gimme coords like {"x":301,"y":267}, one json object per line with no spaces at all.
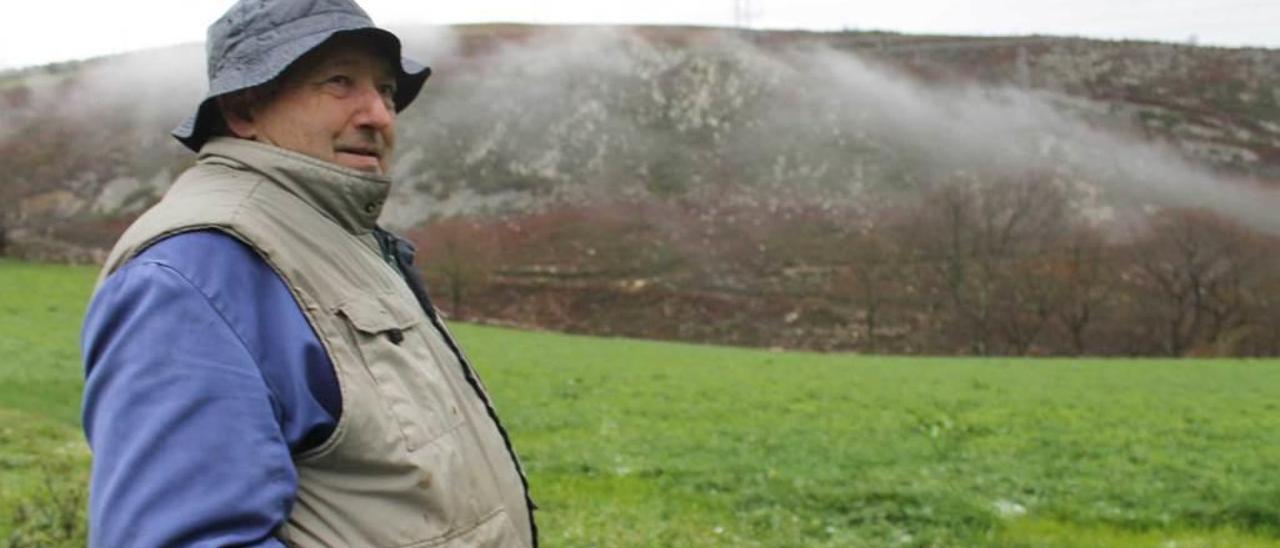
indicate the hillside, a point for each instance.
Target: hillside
{"x":760,"y":188}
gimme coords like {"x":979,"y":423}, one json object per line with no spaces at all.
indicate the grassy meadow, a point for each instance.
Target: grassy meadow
{"x":632,"y":443}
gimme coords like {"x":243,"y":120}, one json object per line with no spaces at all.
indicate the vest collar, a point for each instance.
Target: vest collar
{"x":349,"y":197}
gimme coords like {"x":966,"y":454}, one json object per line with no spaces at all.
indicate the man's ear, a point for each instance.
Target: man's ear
{"x":238,"y":115}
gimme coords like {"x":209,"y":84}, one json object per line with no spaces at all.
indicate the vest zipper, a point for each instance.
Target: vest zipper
{"x":401,"y":258}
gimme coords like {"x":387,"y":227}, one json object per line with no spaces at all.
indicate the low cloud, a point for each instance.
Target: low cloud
{"x":542,"y":110}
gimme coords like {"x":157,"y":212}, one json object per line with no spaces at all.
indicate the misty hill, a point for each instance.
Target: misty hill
{"x":713,"y":165}
{"x":517,"y":112}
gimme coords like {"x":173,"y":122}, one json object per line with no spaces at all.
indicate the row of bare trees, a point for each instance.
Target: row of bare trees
{"x":1010,"y":270}
{"x":983,"y":269}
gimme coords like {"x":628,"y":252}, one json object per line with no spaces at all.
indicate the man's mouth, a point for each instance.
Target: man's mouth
{"x":374,"y":153}
{"x":361,"y":158}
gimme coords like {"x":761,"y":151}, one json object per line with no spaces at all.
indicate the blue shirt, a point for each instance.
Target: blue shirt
{"x":203,"y":379}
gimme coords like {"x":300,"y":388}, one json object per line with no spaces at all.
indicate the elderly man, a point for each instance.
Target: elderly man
{"x":263,"y":364}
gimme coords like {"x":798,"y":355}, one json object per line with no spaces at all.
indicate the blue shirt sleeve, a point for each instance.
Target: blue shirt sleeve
{"x":203,"y":379}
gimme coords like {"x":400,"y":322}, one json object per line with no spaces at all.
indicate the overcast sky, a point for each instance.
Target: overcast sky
{"x":42,"y":31}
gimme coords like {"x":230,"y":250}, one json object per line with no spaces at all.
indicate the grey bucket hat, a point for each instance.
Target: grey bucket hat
{"x":256,"y":40}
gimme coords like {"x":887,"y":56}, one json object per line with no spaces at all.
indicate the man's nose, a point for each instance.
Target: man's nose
{"x":376,"y":111}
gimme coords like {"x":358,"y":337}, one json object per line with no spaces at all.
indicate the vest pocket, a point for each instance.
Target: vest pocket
{"x":390,"y":340}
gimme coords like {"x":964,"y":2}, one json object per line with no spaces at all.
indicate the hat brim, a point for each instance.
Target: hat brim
{"x":197,"y":128}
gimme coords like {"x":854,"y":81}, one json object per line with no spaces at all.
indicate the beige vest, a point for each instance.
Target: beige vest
{"x":417,"y":459}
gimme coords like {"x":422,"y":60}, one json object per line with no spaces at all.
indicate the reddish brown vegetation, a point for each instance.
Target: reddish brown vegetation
{"x":998,"y":269}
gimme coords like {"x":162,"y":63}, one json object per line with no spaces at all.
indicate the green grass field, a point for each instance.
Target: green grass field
{"x":632,"y":443}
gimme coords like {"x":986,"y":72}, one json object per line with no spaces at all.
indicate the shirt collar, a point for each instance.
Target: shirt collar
{"x":349,"y":197}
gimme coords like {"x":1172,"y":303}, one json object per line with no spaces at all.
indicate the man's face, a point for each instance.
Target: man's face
{"x":335,"y":104}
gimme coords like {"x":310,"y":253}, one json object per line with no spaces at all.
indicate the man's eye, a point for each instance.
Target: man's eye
{"x":339,"y":79}
{"x":387,"y":90}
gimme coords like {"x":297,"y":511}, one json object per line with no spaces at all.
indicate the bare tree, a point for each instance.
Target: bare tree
{"x":459,"y":255}
{"x":985,"y":246}
{"x":1082,"y":271}
{"x":1193,"y":266}
{"x":871,"y":281}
